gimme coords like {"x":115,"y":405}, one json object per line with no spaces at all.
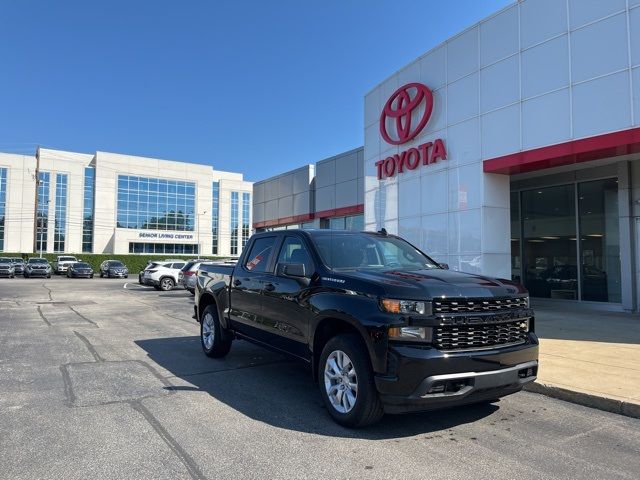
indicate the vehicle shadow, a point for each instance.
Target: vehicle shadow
{"x":270,"y":388}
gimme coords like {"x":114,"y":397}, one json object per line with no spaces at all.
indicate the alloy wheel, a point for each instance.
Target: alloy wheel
{"x":208,"y":331}
{"x":341,"y":381}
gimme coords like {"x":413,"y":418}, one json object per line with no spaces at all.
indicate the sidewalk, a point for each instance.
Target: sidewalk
{"x":589,"y":357}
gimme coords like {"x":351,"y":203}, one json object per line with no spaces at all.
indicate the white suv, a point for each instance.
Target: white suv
{"x":162,"y":275}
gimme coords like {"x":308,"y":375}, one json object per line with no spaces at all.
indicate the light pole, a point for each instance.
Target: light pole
{"x":198,"y":229}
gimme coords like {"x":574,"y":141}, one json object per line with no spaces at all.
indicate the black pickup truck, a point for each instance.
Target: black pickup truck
{"x":383,"y":326}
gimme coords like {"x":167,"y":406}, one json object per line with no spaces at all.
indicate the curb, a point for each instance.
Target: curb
{"x":586,"y":399}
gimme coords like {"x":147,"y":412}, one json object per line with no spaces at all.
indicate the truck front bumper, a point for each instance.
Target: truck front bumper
{"x":427,"y":379}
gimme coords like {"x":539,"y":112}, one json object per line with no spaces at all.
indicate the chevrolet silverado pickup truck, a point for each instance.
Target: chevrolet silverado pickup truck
{"x":384,"y":328}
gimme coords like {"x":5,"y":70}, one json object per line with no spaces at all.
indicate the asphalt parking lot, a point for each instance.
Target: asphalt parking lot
{"x":102,"y":381}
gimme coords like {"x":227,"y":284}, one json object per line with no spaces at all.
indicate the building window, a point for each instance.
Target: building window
{"x":155,"y":204}
{"x":246,"y":206}
{"x":352,"y":222}
{"x":3,"y":205}
{"x":60,"y":217}
{"x":234,"y":223}
{"x":164,"y":248}
{"x":87,"y":213}
{"x":42,"y":213}
{"x":215,"y":207}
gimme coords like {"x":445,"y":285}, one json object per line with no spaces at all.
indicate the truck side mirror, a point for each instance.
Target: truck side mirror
{"x":295,"y":270}
{"x":444,"y":266}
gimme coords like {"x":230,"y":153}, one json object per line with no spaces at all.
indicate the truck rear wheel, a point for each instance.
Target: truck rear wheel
{"x":214,"y":343}
{"x":346,"y":382}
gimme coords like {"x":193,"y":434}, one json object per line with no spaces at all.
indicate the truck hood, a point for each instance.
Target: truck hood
{"x":435,"y":283}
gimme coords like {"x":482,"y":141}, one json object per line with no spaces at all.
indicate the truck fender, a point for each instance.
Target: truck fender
{"x":374,"y":337}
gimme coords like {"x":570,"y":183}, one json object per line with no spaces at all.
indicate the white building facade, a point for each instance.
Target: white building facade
{"x":511,"y":150}
{"x":120,"y":204}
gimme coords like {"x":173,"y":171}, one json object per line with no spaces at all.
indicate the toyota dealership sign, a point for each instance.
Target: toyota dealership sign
{"x":403,"y":117}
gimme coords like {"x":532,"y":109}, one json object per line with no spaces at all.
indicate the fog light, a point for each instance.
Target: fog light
{"x":437,"y":388}
{"x":527,"y":372}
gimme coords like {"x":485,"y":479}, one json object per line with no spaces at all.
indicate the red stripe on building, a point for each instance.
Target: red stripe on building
{"x":284,"y":220}
{"x":336,"y":212}
{"x":576,"y":151}
{"x":340,"y":212}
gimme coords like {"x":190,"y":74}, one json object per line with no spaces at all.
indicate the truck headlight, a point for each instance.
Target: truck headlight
{"x":415,"y":334}
{"x":405,"y":306}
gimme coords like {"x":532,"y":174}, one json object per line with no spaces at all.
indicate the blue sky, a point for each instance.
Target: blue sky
{"x":259,"y":87}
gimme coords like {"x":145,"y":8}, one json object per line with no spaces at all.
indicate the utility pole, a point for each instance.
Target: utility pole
{"x":35,"y":207}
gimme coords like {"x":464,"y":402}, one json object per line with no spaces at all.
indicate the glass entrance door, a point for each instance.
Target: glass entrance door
{"x":569,"y":241}
{"x":549,"y":242}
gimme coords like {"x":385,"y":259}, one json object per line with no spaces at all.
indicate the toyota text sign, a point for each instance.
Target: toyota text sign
{"x":404,"y":115}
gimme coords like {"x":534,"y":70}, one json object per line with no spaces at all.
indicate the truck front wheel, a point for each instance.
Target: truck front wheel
{"x":346,"y":382}
{"x":214,"y":343}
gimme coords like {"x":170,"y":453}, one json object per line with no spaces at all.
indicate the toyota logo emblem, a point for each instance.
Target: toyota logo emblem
{"x":399,"y":112}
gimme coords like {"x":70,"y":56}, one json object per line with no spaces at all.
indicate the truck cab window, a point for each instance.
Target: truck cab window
{"x":258,"y":257}
{"x":294,"y":251}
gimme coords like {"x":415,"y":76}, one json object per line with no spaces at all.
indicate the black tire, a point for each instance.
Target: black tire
{"x":166,"y":284}
{"x":367,"y":408}
{"x":25,"y":275}
{"x":91,"y":276}
{"x":49,"y":276}
{"x":157,"y":287}
{"x":220,"y":341}
{"x":126,"y":276}
{"x":101,"y":275}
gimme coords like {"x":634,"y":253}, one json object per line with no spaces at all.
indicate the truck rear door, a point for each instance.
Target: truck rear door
{"x":246,"y":286}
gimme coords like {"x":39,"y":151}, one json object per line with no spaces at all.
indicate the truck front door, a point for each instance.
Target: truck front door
{"x":284,"y":308}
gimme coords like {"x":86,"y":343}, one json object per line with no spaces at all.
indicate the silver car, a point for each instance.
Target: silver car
{"x":6,"y":268}
{"x":189,"y":273}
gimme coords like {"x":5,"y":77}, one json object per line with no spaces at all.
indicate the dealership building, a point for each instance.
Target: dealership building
{"x":512,"y":150}
{"x":58,"y":201}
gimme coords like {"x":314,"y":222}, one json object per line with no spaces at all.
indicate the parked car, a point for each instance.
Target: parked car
{"x":6,"y":268}
{"x":113,"y":268}
{"x":163,"y":275}
{"x":385,"y":328}
{"x":141,"y":273}
{"x":188,"y":274}
{"x":79,"y":270}
{"x":18,"y":265}
{"x":37,"y":267}
{"x":63,"y":262}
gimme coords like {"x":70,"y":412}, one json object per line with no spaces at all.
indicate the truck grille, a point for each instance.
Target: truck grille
{"x":464,"y":305}
{"x":473,"y":337}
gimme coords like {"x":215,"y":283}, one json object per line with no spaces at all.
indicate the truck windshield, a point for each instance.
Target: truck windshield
{"x":343,"y":251}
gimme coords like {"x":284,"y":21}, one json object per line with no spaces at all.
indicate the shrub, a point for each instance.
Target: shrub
{"x":134,"y":263}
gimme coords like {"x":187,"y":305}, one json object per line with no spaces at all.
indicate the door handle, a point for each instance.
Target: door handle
{"x":237,"y":283}
{"x":269,"y":287}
